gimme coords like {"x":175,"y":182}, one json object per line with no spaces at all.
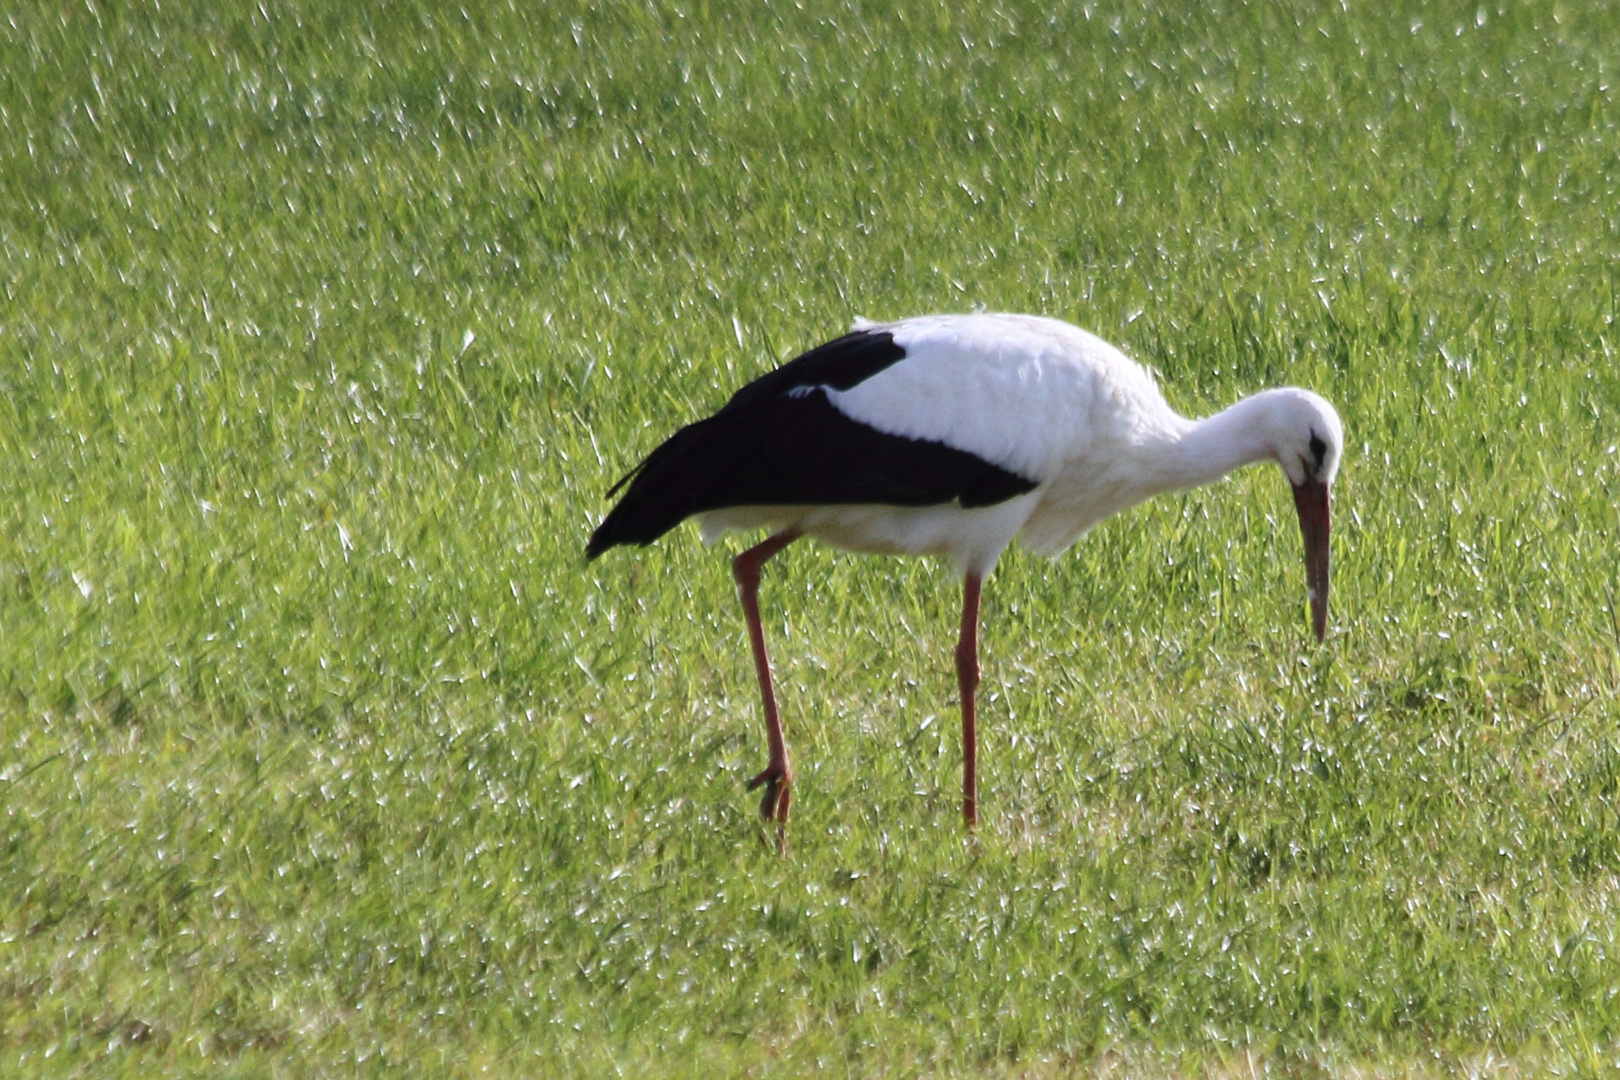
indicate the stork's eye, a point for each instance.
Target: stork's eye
{"x":1318,"y":448}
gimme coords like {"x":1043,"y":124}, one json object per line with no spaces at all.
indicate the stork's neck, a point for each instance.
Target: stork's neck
{"x":1210,"y":448}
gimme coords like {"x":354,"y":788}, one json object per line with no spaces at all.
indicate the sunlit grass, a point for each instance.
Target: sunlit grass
{"x":323,"y":751}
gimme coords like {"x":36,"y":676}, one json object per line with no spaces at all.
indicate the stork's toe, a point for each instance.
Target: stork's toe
{"x":778,"y":783}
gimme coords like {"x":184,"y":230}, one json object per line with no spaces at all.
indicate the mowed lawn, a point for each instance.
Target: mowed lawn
{"x":325,"y":327}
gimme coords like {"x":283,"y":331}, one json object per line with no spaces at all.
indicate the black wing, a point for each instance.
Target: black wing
{"x":779,"y":441}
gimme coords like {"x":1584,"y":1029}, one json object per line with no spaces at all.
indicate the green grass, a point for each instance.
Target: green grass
{"x":322,"y":752}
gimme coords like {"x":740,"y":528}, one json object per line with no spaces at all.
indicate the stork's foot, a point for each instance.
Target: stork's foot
{"x":778,"y":782}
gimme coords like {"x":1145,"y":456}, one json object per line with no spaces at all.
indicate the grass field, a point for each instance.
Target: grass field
{"x":325,"y":327}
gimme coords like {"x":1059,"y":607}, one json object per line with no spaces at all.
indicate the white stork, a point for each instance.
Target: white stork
{"x":949,"y":435}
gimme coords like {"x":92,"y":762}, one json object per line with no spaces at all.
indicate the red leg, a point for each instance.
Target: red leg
{"x":778,"y":780}
{"x":967,"y":681}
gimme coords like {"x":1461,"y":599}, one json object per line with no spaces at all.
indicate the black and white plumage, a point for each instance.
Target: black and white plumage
{"x":950,"y":435}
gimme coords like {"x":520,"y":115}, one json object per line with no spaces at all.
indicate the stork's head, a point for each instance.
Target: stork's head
{"x":1306,"y":437}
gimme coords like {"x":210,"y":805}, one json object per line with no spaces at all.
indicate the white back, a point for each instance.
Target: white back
{"x":1024,"y":392}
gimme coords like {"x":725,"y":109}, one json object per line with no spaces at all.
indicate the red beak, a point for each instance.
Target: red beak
{"x":1311,"y":500}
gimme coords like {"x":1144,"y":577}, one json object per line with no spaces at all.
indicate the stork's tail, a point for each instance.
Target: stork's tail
{"x":660,"y":493}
